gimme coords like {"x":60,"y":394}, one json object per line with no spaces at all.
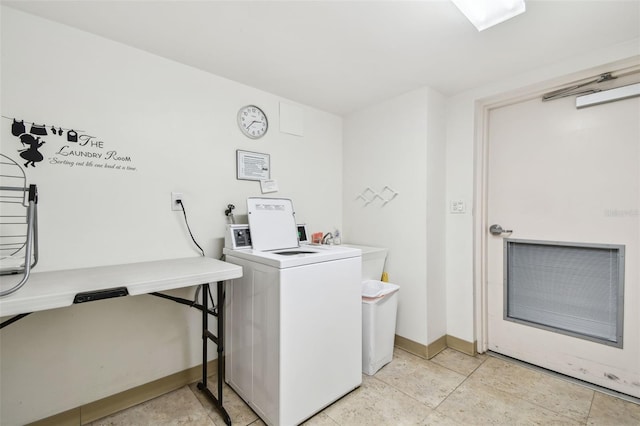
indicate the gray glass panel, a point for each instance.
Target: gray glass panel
{"x":575,"y":289}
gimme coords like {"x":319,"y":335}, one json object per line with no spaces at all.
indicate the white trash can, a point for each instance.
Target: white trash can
{"x":379,"y":308}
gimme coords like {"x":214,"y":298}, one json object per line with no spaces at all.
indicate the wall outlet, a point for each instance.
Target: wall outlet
{"x":175,"y":197}
{"x":457,"y":206}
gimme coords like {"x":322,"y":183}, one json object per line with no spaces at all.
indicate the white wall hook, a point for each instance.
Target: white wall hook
{"x":367,"y":189}
{"x":362,"y":197}
{"x":388,"y":188}
{"x":368,"y":195}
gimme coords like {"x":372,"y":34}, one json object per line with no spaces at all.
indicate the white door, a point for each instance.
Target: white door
{"x":559,"y":174}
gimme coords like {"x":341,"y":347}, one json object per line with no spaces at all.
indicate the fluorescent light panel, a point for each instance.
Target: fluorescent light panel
{"x":611,"y":95}
{"x":487,"y":13}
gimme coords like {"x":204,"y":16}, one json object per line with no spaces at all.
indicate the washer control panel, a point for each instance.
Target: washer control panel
{"x":237,"y":237}
{"x":302,"y":234}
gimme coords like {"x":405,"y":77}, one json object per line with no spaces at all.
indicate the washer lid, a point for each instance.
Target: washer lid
{"x":273,"y":223}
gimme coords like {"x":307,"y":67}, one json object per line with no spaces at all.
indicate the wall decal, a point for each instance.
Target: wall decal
{"x":38,"y":129}
{"x":72,"y":136}
{"x":17,"y":128}
{"x":31,"y":154}
{"x":78,"y":149}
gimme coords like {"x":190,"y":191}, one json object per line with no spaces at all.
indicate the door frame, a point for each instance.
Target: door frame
{"x":482,"y":109}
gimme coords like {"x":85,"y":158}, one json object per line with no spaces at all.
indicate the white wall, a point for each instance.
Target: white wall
{"x":460,"y":151}
{"x":178,"y":126}
{"x":400,"y":143}
{"x":436,"y":218}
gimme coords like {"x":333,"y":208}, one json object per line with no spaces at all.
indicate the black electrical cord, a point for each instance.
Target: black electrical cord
{"x":188,"y":228}
{"x":195,"y":299}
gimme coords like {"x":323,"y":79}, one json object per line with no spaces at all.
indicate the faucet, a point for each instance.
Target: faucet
{"x":229,"y":213}
{"x":328,"y":238}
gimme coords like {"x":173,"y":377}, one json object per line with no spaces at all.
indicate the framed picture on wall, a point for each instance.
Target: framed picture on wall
{"x":253,"y":165}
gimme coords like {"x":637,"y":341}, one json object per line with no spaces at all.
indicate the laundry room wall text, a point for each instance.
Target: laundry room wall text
{"x":41,"y":144}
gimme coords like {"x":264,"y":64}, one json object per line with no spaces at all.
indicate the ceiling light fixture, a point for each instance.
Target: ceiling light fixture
{"x":487,"y":13}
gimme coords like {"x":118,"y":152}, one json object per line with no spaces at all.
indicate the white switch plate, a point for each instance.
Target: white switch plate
{"x":175,"y":196}
{"x":457,"y":206}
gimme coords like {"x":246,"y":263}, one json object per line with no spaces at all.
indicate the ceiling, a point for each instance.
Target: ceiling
{"x":340,"y":56}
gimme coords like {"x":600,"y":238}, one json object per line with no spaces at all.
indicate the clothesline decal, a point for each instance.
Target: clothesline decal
{"x":58,"y":128}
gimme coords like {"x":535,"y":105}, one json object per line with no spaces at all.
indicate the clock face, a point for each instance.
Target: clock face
{"x":252,"y":121}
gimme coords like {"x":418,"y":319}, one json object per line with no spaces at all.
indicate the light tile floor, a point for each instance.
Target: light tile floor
{"x":450,"y":389}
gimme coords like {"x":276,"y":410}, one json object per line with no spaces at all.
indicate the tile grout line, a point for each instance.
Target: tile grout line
{"x":506,"y":393}
{"x":324,"y":410}
{"x":201,"y":404}
{"x":405,"y":394}
{"x":460,"y":384}
{"x":400,"y":390}
{"x":546,"y":373}
{"x":593,"y":397}
{"x":433,"y":409}
{"x":521,"y":399}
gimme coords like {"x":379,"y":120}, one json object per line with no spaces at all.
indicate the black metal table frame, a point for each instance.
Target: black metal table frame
{"x":218,"y":312}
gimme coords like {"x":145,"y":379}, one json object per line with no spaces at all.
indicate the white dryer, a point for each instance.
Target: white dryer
{"x":293,"y":336}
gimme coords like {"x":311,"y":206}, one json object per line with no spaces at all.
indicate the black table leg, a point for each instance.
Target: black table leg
{"x":219,"y":340}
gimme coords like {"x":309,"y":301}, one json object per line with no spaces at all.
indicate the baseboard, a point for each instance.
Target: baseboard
{"x":437,"y":346}
{"x":434,"y":348}
{"x":112,"y":404}
{"x":423,"y":351}
{"x":410,"y":346}
{"x":463,"y":346}
{"x":67,"y":418}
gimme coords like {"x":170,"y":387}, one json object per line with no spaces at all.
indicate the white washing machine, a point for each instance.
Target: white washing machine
{"x":293,"y":321}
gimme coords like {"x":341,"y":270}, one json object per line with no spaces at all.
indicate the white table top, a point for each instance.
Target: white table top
{"x":57,"y":289}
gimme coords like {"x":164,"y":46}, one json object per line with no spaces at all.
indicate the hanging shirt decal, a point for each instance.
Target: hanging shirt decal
{"x":17,"y":128}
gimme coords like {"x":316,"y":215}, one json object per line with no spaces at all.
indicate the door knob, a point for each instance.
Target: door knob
{"x":497,"y":230}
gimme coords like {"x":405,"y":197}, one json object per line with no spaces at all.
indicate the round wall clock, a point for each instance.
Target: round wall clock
{"x":252,"y":121}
